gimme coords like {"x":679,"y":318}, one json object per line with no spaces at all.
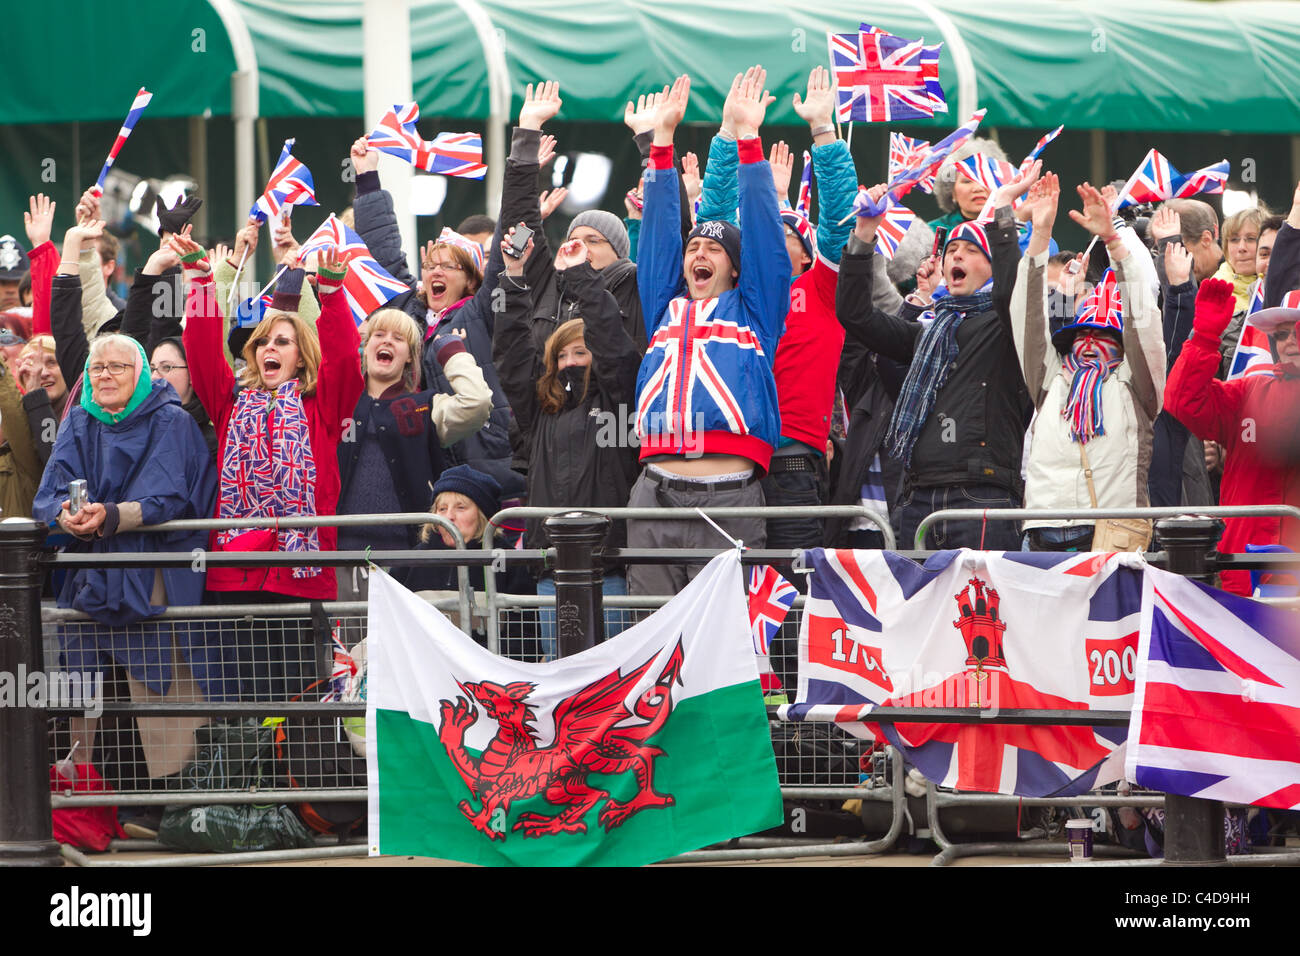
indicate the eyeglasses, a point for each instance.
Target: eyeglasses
{"x":1282,"y":333}
{"x":281,"y":342}
{"x":444,"y":266}
{"x":113,"y":368}
{"x":165,"y":368}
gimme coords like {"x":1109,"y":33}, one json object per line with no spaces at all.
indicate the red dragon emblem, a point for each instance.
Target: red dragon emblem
{"x":591,"y":736}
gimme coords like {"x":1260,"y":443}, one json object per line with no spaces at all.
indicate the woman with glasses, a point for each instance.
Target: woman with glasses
{"x":278,"y":441}
{"x":168,"y":365}
{"x":143,"y":462}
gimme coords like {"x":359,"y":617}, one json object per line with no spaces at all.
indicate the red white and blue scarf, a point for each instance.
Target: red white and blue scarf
{"x":269,"y":470}
{"x":1083,"y":405}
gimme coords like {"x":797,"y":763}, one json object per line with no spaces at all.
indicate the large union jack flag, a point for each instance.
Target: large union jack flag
{"x":686,"y":377}
{"x":368,"y":285}
{"x":448,"y":154}
{"x":880,"y":77}
{"x":929,"y":67}
{"x":1156,"y":180}
{"x":880,"y":630}
{"x":290,"y":185}
{"x":1211,"y":179}
{"x":1216,"y":709}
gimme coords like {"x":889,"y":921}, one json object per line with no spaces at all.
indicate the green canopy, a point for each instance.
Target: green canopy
{"x":1158,"y":65}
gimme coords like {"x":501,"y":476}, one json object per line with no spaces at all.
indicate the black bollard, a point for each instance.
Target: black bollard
{"x":26,"y":834}
{"x":1193,"y":827}
{"x":579,"y":539}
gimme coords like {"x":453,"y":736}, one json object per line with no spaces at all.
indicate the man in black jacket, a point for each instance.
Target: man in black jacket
{"x":958,"y":425}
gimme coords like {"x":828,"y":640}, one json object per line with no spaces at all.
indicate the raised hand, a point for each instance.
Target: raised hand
{"x":364,"y":158}
{"x":87,"y":207}
{"x":639,"y":117}
{"x":691,"y":178}
{"x":570,"y":254}
{"x":1041,"y":203}
{"x":246,"y":239}
{"x":752,"y":101}
{"x":550,"y":200}
{"x":866,"y":225}
{"x":782,"y":162}
{"x":1178,"y":263}
{"x":192,"y":256}
{"x":515,"y":266}
{"x":671,"y":110}
{"x":540,"y":104}
{"x":40,"y":220}
{"x":1165,"y":223}
{"x":330,"y":266}
{"x":1095,"y":216}
{"x":1017,"y":186}
{"x":632,"y":201}
{"x":928,"y":276}
{"x":818,"y":108}
{"x":545,"y":150}
{"x":284,"y":247}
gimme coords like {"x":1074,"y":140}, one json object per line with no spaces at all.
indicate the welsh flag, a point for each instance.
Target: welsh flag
{"x":649,"y":745}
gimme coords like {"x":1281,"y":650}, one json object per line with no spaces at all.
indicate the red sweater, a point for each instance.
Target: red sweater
{"x":328,"y":409}
{"x":808,"y":357}
{"x":1220,"y":411}
{"x":45,"y":263}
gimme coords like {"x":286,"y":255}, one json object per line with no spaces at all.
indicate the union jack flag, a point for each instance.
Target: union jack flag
{"x":898,"y":219}
{"x":368,"y":286}
{"x":686,"y":376}
{"x":290,"y":185}
{"x":133,"y":115}
{"x":770,"y":599}
{"x":1216,"y":708}
{"x":904,"y":152}
{"x":805,"y":186}
{"x":929,"y":68}
{"x":449,"y":154}
{"x":879,"y":77}
{"x":986,"y":170}
{"x":1211,"y":179}
{"x":1253,"y":356}
{"x":1103,"y":308}
{"x":930,"y":162}
{"x":878,"y":630}
{"x":1039,"y":147}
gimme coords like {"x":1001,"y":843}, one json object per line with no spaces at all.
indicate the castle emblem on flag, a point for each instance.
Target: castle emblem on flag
{"x":981,"y":626}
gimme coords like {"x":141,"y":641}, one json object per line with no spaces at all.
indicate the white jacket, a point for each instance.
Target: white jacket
{"x":1130,"y":399}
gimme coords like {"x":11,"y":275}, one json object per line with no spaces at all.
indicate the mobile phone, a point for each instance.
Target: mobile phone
{"x":519,"y":241}
{"x":940,"y":234}
{"x":76,"y":495}
{"x":635,"y":200}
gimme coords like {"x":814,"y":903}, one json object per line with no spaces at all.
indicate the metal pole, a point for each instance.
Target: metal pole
{"x":579,"y":539}
{"x":26,"y":828}
{"x":1193,"y":827}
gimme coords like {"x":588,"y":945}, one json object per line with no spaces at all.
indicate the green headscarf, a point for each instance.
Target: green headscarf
{"x":143,"y":386}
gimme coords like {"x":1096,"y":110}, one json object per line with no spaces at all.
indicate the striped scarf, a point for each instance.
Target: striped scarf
{"x":936,"y":350}
{"x":1083,"y":406}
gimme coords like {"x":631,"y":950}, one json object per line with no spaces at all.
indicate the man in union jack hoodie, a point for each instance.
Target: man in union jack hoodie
{"x":707,"y":416}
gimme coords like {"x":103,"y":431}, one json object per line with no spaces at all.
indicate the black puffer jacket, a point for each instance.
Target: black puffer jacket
{"x":984,"y":396}
{"x":579,"y":456}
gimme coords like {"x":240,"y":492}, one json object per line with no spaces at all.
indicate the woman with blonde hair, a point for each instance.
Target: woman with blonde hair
{"x":277,"y":452}
{"x":573,"y":401}
{"x":33,"y":395}
{"x":395,"y":453}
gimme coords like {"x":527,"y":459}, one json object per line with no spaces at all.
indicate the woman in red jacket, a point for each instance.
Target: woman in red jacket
{"x":1237,"y":414}
{"x":278,"y":452}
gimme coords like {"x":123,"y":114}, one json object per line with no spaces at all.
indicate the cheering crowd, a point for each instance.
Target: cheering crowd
{"x":765,"y":360}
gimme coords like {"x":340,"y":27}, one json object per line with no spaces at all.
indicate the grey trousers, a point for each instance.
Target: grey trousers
{"x":696,"y":533}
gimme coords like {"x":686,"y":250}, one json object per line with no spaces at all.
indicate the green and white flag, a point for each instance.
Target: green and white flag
{"x":649,"y":745}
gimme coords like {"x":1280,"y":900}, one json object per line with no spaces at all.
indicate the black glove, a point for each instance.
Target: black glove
{"x":174,"y":219}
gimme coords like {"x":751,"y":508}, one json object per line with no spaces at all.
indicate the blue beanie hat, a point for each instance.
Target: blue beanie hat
{"x":483,"y":490}
{"x":725,"y":234}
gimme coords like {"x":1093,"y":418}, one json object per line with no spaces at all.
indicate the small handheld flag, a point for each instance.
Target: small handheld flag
{"x":367,"y":285}
{"x":448,"y":154}
{"x":805,"y":186}
{"x":879,"y":77}
{"x":889,"y":234}
{"x":290,"y":185}
{"x":132,"y":117}
{"x":1039,"y":147}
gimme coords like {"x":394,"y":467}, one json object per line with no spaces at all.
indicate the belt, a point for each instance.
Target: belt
{"x":792,"y":463}
{"x":681,"y":484}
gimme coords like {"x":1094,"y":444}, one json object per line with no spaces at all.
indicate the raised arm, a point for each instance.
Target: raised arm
{"x":212,"y":378}
{"x":1029,"y":327}
{"x":615,"y":357}
{"x":659,"y":255}
{"x":879,"y":331}
{"x":44,"y":259}
{"x":339,"y":383}
{"x":513,"y":351}
{"x":1211,"y":409}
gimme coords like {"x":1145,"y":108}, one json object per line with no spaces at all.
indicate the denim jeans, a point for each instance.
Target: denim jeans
{"x":617,"y":620}
{"x":978,"y":534}
{"x":1075,"y":538}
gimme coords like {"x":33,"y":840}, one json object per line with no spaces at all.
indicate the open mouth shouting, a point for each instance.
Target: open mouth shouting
{"x":701,"y":275}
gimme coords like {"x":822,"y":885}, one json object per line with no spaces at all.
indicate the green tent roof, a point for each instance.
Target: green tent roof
{"x":1160,"y":65}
